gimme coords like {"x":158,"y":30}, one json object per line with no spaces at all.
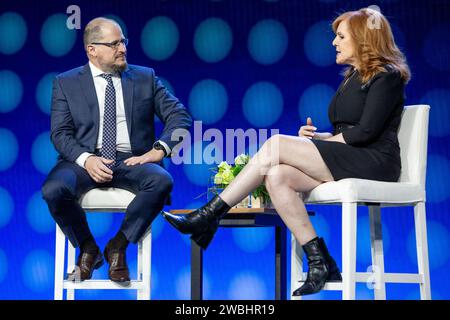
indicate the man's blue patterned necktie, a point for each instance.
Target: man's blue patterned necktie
{"x":108,"y":150}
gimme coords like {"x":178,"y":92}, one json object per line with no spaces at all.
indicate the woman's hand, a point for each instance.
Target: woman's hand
{"x":308,"y":131}
{"x":151,"y":156}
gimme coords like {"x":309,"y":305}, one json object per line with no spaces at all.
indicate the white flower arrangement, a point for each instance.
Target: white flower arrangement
{"x":225,"y":173}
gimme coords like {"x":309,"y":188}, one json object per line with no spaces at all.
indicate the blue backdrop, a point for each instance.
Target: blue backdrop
{"x":234,"y":64}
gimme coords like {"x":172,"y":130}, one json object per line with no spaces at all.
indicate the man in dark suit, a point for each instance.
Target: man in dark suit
{"x":102,"y":127}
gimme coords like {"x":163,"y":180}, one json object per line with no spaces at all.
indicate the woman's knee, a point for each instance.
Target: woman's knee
{"x":273,"y":141}
{"x":276,"y":177}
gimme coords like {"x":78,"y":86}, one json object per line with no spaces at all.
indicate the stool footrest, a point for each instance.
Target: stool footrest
{"x":102,"y":284}
{"x":362,"y":277}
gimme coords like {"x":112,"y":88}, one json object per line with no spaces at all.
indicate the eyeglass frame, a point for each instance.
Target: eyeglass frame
{"x":113,"y":45}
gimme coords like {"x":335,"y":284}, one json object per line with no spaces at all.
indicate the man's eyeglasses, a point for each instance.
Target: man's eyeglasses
{"x":114,"y":44}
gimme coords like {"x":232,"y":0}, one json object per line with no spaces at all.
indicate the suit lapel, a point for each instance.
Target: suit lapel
{"x":127,"y":89}
{"x":88,"y":89}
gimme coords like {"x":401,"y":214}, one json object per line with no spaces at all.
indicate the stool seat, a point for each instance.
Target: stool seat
{"x":106,"y":199}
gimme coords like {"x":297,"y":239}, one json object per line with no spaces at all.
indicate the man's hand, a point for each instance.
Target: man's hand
{"x":307,"y":131}
{"x":97,"y":169}
{"x":151,"y":156}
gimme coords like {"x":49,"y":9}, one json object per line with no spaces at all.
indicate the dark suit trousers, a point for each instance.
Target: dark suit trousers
{"x":67,"y":182}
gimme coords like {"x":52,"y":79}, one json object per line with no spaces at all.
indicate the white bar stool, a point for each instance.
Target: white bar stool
{"x":349,"y":193}
{"x":102,"y":200}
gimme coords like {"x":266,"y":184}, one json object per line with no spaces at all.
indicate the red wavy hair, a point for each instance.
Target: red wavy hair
{"x":374,"y":43}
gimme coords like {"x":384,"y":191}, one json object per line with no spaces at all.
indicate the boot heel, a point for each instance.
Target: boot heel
{"x":203,"y":239}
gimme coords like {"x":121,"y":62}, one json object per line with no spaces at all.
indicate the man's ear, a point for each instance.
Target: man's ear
{"x":91,"y":51}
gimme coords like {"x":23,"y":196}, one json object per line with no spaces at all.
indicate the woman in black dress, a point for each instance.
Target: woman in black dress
{"x":365,"y":113}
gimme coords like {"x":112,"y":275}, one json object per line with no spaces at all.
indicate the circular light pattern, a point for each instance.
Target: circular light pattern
{"x":167,"y":84}
{"x":10,"y":148}
{"x":154,"y":279}
{"x":436,"y":48}
{"x":364,"y":293}
{"x":183,"y":284}
{"x":119,"y":22}
{"x":159,"y":38}
{"x":13,"y":32}
{"x":157,"y":226}
{"x":208,"y":101}
{"x":6,"y":207}
{"x":44,"y":92}
{"x":38,"y":215}
{"x":314,"y":103}
{"x":57,"y":40}
{"x":11,"y":90}
{"x":437,"y":179}
{"x":438,"y":244}
{"x":318,"y":44}
{"x":43,"y":154}
{"x":213,"y":40}
{"x":38,"y":271}
{"x":99,"y":223}
{"x":199,"y":170}
{"x":3,"y":265}
{"x":247,"y":285}
{"x":321,"y":226}
{"x":262,"y":104}
{"x":363,"y":251}
{"x":267,"y":41}
{"x":440,"y":112}
{"x":252,"y":239}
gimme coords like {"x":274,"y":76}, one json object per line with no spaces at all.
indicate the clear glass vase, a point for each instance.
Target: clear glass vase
{"x":248,"y":202}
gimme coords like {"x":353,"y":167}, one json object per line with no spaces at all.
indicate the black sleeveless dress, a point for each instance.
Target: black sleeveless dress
{"x":368,"y":115}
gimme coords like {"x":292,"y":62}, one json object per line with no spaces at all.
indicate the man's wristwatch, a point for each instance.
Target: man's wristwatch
{"x":159,"y":146}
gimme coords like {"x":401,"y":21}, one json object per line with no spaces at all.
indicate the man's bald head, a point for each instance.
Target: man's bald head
{"x":105,"y":45}
{"x":95,"y":30}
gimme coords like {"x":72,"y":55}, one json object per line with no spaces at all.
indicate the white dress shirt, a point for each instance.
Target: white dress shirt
{"x":123,"y":139}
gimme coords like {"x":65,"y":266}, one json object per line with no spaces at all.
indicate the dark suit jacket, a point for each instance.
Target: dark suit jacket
{"x":75,"y":111}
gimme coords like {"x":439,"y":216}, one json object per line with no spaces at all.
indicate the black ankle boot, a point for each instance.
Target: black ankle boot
{"x":334,"y":274}
{"x":318,"y":269}
{"x":201,"y":223}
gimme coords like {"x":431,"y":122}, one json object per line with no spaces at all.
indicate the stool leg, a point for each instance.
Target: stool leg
{"x":71,"y":262}
{"x":139,"y":260}
{"x":376,"y":242}
{"x":349,"y":215}
{"x":139,"y":268}
{"x":296,"y":266}
{"x":60,"y":245}
{"x":144,"y":262}
{"x":422,"y":249}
